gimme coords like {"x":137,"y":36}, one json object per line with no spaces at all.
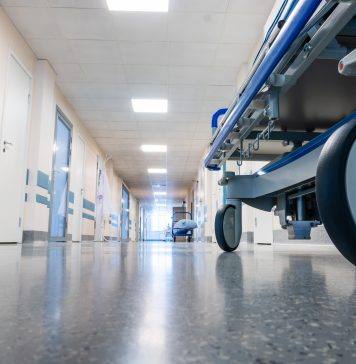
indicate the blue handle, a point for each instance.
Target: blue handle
{"x":290,"y":31}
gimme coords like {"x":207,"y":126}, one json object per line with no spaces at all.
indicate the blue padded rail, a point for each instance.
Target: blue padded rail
{"x":288,"y":34}
{"x":300,"y":152}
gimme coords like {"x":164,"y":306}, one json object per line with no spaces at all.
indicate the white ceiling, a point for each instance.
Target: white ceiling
{"x":190,"y":55}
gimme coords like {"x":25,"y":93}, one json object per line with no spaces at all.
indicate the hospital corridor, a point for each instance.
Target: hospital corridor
{"x":177,"y":181}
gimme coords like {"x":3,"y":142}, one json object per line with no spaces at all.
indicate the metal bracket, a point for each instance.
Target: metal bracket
{"x":301,"y":229}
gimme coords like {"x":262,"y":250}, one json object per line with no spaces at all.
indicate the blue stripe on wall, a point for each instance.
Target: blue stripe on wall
{"x":71,"y":197}
{"x":88,"y":217}
{"x":114,"y":218}
{"x":88,"y":205}
{"x":70,"y":211}
{"x":42,"y":180}
{"x":27,"y":176}
{"x":42,"y":200}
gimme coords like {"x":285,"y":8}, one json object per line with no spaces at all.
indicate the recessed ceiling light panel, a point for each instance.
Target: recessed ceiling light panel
{"x":160,"y":193}
{"x":154,"y":148}
{"x":150,"y":105}
{"x":160,"y":6}
{"x":157,"y":170}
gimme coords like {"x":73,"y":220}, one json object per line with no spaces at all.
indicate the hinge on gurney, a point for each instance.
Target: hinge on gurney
{"x":254,"y":146}
{"x":272,"y":112}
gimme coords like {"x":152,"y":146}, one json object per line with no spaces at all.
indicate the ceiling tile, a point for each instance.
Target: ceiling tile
{"x":95,"y":90}
{"x":84,"y":4}
{"x":137,"y":26}
{"x":69,"y":72}
{"x":186,"y":92}
{"x":95,"y":51}
{"x":85,"y":23}
{"x":202,"y":75}
{"x":250,"y":6}
{"x":146,"y":74}
{"x":27,"y":3}
{"x":232,"y":54}
{"x":195,"y":27}
{"x":192,"y":54}
{"x":144,"y":53}
{"x":148,"y":91}
{"x":35,"y":22}
{"x":198,"y":5}
{"x":55,"y":50}
{"x":235,"y":26}
{"x":215,"y":93}
{"x":113,"y":73}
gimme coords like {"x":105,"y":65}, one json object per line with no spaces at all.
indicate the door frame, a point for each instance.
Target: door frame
{"x":79,"y":136}
{"x":12,"y":54}
{"x":98,"y":231}
{"x":122,"y":213}
{"x":66,"y":121}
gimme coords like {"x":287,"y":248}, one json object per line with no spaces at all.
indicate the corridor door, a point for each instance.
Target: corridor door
{"x":79,"y":190}
{"x":13,"y":146}
{"x":125,"y":214}
{"x":60,"y":180}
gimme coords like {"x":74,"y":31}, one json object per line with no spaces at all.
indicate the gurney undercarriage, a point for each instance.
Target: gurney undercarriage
{"x":301,"y":91}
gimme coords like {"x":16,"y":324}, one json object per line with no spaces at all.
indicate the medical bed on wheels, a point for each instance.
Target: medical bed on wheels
{"x":300,"y":90}
{"x":183,"y":226}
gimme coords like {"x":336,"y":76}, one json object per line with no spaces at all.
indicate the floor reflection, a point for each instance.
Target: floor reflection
{"x":175,"y":303}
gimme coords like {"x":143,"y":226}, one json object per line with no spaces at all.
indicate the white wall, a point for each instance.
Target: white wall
{"x":46,"y":98}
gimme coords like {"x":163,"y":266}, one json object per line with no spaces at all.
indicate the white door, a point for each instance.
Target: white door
{"x":13,"y":145}
{"x":263,"y":227}
{"x":98,"y":234}
{"x":79,"y":190}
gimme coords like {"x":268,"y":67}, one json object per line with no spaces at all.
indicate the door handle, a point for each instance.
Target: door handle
{"x":6,"y":144}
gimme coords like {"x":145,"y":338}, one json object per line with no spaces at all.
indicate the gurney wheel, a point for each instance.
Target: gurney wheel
{"x":336,"y":189}
{"x":225,"y":228}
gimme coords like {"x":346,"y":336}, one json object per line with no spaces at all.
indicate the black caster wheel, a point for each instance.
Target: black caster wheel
{"x":225,"y":228}
{"x":174,"y":239}
{"x":336,"y":189}
{"x":189,"y":239}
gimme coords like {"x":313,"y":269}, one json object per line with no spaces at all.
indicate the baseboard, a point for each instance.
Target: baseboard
{"x":87,"y":237}
{"x":247,"y":237}
{"x":30,"y":236}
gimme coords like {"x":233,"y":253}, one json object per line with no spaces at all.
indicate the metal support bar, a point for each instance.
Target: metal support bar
{"x":291,"y":136}
{"x":301,"y":193}
{"x":290,"y":31}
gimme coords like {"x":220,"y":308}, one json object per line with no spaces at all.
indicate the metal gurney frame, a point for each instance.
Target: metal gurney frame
{"x":309,"y":32}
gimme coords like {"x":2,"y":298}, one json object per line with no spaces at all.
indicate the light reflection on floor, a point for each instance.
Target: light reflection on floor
{"x":176,"y":303}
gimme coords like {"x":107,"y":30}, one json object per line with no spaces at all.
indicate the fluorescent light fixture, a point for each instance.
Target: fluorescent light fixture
{"x":160,"y":201}
{"x":160,"y":205}
{"x":157,"y":170}
{"x":160,"y":193}
{"x":138,"y":5}
{"x":154,"y":148}
{"x":150,"y":105}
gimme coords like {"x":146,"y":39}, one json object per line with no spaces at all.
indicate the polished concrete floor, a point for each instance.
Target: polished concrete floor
{"x":175,"y":303}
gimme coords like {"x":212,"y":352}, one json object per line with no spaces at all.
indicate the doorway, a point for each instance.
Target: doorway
{"x":125,"y":214}
{"x":60,"y":179}
{"x":79,"y":190}
{"x":13,"y":146}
